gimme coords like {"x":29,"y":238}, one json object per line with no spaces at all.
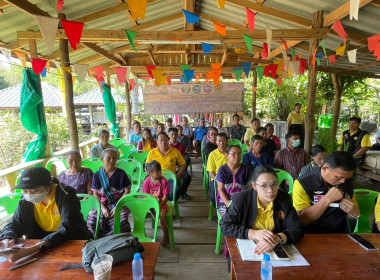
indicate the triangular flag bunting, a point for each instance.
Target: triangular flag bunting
{"x":251,"y":19}
{"x":319,"y":55}
{"x":352,"y":55}
{"x":292,"y":51}
{"x":221,"y":29}
{"x":73,"y":31}
{"x":246,"y":67}
{"x":248,"y":41}
{"x":121,"y":74}
{"x":260,"y":72}
{"x":157,"y":74}
{"x":339,"y":29}
{"x":239,"y":51}
{"x":354,"y":9}
{"x":322,"y":43}
{"x":190,"y":17}
{"x":280,"y":63}
{"x":81,"y":70}
{"x":38,"y":65}
{"x":175,"y":39}
{"x":7,"y":53}
{"x":149,"y":68}
{"x":373,"y":41}
{"x":131,"y":84}
{"x":220,"y":3}
{"x":99,"y":71}
{"x":131,"y":38}
{"x":183,"y":68}
{"x":332,"y":58}
{"x":340,"y":50}
{"x":48,"y":27}
{"x":44,"y":72}
{"x":60,"y":4}
{"x":237,"y":72}
{"x":169,"y":80}
{"x":264,"y":53}
{"x":285,"y":44}
{"x":189,"y":75}
{"x":302,"y":66}
{"x":269,"y":39}
{"x":207,"y":48}
{"x":137,"y":8}
{"x":279,"y":82}
{"x":22,"y":57}
{"x":216,"y":66}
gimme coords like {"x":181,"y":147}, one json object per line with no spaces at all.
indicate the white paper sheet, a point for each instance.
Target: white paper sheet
{"x":296,"y":259}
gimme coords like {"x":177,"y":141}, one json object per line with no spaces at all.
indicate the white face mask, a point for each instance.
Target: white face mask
{"x":296,"y":143}
{"x":35,"y":197}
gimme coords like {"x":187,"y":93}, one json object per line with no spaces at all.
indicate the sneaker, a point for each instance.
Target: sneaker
{"x":186,"y":196}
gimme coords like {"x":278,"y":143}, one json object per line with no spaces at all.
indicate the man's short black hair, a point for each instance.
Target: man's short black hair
{"x":103,"y":131}
{"x":297,"y":104}
{"x":269,"y":124}
{"x":261,"y":128}
{"x":357,"y":119}
{"x":236,"y":115}
{"x":222,"y":134}
{"x":256,"y":137}
{"x":341,"y":159}
{"x":174,"y":129}
{"x":255,"y":120}
{"x":290,"y":134}
{"x":210,"y":128}
{"x":315,"y":150}
{"x":162,"y":133}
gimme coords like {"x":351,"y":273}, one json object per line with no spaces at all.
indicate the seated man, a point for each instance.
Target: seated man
{"x":153,"y":129}
{"x":104,"y":137}
{"x":270,"y":135}
{"x":160,"y":128}
{"x":135,"y":136}
{"x":216,"y":159}
{"x":318,"y":155}
{"x":174,"y":143}
{"x":256,"y":156}
{"x":291,"y":159}
{"x":211,"y":144}
{"x":237,"y":130}
{"x":255,"y":124}
{"x":220,"y":127}
{"x":169,"y":125}
{"x":269,"y":146}
{"x":325,"y":197}
{"x":47,"y":211}
{"x":170,"y":159}
{"x":355,"y":139}
{"x":199,"y":132}
{"x":184,"y":140}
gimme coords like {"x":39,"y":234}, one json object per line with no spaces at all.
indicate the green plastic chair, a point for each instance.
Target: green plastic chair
{"x":139,"y":156}
{"x":139,"y":204}
{"x":59,"y":164}
{"x":134,"y":170}
{"x":168,"y":175}
{"x":87,"y":205}
{"x":234,"y":142}
{"x":93,"y":163}
{"x":191,"y":165}
{"x":205,"y":174}
{"x":244,"y":148}
{"x":366,"y":202}
{"x":124,"y":150}
{"x":117,"y":141}
{"x":283,"y":175}
{"x":9,"y":203}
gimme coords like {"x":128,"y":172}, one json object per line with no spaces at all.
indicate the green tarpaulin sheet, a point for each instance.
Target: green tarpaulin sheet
{"x":110,"y":107}
{"x":32,"y":115}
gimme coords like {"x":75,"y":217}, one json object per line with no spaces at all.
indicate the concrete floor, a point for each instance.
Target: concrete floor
{"x":195,"y":236}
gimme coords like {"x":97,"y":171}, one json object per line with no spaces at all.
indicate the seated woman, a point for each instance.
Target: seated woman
{"x":263,"y":213}
{"x":109,"y":185}
{"x":147,"y":143}
{"x":48,"y":211}
{"x":232,"y":178}
{"x":318,"y":155}
{"x":77,"y":177}
{"x":256,"y":156}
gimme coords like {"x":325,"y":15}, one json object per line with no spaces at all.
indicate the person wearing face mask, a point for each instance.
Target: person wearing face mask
{"x":296,"y":120}
{"x":47,"y":211}
{"x":324,"y":197}
{"x":292,"y":158}
{"x":318,"y":155}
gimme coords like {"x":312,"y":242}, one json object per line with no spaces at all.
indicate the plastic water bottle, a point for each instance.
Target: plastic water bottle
{"x":266,"y":268}
{"x":137,"y":267}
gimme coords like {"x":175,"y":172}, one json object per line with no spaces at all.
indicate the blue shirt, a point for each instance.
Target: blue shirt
{"x":134,"y":138}
{"x":199,"y":132}
{"x":154,"y":132}
{"x":251,"y":160}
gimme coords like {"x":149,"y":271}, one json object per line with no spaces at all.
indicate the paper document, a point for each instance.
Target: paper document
{"x":296,"y":258}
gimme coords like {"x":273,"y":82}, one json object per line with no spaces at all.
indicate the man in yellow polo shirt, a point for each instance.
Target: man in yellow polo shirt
{"x":324,"y":198}
{"x":355,"y":140}
{"x":215,"y":160}
{"x":255,"y":124}
{"x":170,"y":158}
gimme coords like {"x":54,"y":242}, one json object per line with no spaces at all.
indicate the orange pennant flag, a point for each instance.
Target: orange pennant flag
{"x":22,"y":57}
{"x":216,"y":66}
{"x":221,"y":29}
{"x":91,"y":73}
{"x":176,"y":39}
{"x":220,"y":3}
{"x":137,"y":8}
{"x":74,"y":78}
{"x":157,"y":74}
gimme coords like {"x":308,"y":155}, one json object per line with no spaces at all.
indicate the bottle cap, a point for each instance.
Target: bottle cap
{"x":266,"y":257}
{"x":137,"y":256}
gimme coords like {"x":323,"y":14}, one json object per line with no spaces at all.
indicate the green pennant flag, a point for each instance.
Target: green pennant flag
{"x":237,"y":72}
{"x":292,"y":51}
{"x":183,"y":68}
{"x":318,"y":61}
{"x":270,"y":85}
{"x":131,"y":37}
{"x":248,"y":41}
{"x":322,"y":43}
{"x":260,"y":72}
{"x":110,"y":108}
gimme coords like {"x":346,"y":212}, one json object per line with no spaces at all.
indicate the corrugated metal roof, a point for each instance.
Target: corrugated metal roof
{"x":10,"y":97}
{"x":94,"y":98}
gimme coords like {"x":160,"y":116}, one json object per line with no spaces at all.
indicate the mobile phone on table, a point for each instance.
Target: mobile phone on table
{"x":280,"y":253}
{"x":362,"y":242}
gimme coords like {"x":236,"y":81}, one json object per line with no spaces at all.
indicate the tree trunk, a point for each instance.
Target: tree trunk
{"x":254,"y":93}
{"x":338,"y":96}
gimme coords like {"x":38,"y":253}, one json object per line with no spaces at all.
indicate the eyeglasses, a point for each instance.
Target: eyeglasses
{"x":274,"y":186}
{"x":235,"y":155}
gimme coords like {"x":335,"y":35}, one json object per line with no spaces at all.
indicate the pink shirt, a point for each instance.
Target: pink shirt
{"x":159,"y":190}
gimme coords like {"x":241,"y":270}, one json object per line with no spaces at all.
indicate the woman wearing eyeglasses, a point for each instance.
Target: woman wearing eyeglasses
{"x":263,"y":213}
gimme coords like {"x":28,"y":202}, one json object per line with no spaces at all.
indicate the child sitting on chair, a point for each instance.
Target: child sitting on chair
{"x":158,"y":186}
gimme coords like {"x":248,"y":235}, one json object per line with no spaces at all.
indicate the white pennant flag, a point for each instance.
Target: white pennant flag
{"x":269,"y":39}
{"x":352,"y":55}
{"x":286,"y":59}
{"x":7,"y":53}
{"x":48,"y":27}
{"x":294,"y":68}
{"x":354,"y":9}
{"x":81,"y":70}
{"x":128,"y":73}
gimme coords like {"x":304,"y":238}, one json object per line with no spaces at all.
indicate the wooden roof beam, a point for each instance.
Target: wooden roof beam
{"x":56,"y":55}
{"x":376,"y":3}
{"x":103,"y":52}
{"x":245,"y":23}
{"x":209,"y":18}
{"x":347,"y":72}
{"x":4,"y":4}
{"x":27,"y":7}
{"x":150,"y":53}
{"x":364,"y":66}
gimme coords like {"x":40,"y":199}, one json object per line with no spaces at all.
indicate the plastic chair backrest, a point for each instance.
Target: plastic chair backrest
{"x":169,"y":175}
{"x":9,"y":202}
{"x":234,"y":142}
{"x":87,"y":205}
{"x":139,"y":155}
{"x":93,"y":163}
{"x":204,"y":163}
{"x":59,"y":164}
{"x":244,"y":148}
{"x":133,"y":169}
{"x":117,"y":141}
{"x":125,"y":149}
{"x":366,"y":202}
{"x":139,"y":204}
{"x":283,"y":175}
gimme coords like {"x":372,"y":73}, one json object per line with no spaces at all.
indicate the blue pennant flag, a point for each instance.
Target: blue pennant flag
{"x":43,"y":73}
{"x":190,"y":17}
{"x":246,"y":67}
{"x":207,"y":48}
{"x":181,"y":80}
{"x":319,"y":55}
{"x":189,"y":75}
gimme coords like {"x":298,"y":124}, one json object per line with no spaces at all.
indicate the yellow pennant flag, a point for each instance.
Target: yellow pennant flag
{"x":240,"y":51}
{"x":163,"y":80}
{"x":157,"y":74}
{"x":220,"y":3}
{"x":22,"y":57}
{"x":137,"y":8}
{"x":280,"y":63}
{"x":48,"y":66}
{"x":340,"y":50}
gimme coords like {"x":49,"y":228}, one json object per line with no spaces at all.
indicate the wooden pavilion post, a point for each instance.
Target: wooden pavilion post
{"x":69,"y":91}
{"x":128,"y":108}
{"x":34,"y":54}
{"x":312,"y":86}
{"x":254,"y":92}
{"x":336,"y":112}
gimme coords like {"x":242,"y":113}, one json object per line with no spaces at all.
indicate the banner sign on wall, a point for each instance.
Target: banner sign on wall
{"x":194,"y":98}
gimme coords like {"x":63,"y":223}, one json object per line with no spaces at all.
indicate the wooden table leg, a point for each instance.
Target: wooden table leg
{"x":232,"y":272}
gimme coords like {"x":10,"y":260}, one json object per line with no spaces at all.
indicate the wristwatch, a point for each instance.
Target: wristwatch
{"x":281,"y":240}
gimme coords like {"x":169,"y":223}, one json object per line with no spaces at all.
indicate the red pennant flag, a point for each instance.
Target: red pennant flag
{"x":100,"y":81}
{"x":285,"y":44}
{"x":146,"y":78}
{"x":267,"y":70}
{"x":60,"y":4}
{"x":149,"y":68}
{"x":279,"y":82}
{"x":131,"y":84}
{"x":38,"y":65}
{"x":73,"y":31}
{"x":254,"y":89}
{"x":176,"y":39}
{"x":332,"y":59}
{"x":99,"y":71}
{"x":121,"y":74}
{"x":221,"y":29}
{"x":169,"y":80}
{"x":264,"y":54}
{"x":251,"y":19}
{"x":377,"y":52}
{"x":273,"y":70}
{"x":339,"y":29}
{"x":302,"y":66}
{"x":373,"y":41}
{"x":207,"y":80}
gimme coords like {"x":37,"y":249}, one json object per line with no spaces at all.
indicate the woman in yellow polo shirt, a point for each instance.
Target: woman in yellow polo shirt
{"x":296,"y":121}
{"x":377,"y":215}
{"x":46,"y":211}
{"x":263,"y":213}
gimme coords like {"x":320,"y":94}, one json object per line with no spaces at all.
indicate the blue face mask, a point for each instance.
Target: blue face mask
{"x":296,"y":143}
